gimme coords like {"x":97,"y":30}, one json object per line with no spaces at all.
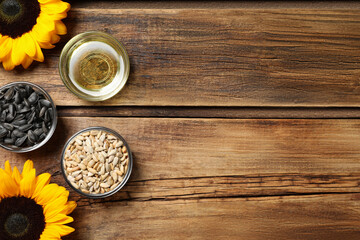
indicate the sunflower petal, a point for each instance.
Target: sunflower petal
{"x":7,"y":63}
{"x":49,"y":193}
{"x":60,"y":28}
{"x":39,"y":34}
{"x":27,"y":62}
{"x":16,"y":175}
{"x":55,"y":207}
{"x":55,"y":7}
{"x":59,"y":16}
{"x":41,"y":181}
{"x":50,"y":233}
{"x":55,"y":38}
{"x":2,"y":38}
{"x":62,"y":230}
{"x":46,"y":237}
{"x":46,"y":22}
{"x":39,"y":54}
{"x":27,"y":184}
{"x":5,"y":46}
{"x":48,"y":1}
{"x":46,"y":45}
{"x":17,"y":52}
{"x":8,"y":186}
{"x":60,"y":219}
{"x":70,"y":206}
{"x":8,"y":167}
{"x":27,"y":42}
{"x":28,"y":166}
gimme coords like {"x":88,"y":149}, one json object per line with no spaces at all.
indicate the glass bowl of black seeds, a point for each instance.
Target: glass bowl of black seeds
{"x":28,"y":117}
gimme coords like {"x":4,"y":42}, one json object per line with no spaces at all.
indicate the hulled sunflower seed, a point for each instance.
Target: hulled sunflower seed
{"x":100,"y":161}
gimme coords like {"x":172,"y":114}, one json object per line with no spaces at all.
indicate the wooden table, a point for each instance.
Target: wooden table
{"x":244,"y":123}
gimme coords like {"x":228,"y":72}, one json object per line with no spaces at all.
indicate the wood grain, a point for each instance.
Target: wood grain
{"x":221,"y":57}
{"x":212,"y":112}
{"x":221,"y":178}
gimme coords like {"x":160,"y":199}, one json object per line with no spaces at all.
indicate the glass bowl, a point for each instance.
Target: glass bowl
{"x":40,"y":90}
{"x":94,"y":66}
{"x":125,"y":178}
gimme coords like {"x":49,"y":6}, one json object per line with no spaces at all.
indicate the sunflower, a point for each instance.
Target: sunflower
{"x":26,"y":26}
{"x":30,"y":207}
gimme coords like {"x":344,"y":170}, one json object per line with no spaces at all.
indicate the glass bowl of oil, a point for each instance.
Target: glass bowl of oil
{"x":94,"y":66}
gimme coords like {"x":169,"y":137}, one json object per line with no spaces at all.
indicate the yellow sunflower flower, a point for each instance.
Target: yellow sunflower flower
{"x":26,"y":26}
{"x":30,"y":207}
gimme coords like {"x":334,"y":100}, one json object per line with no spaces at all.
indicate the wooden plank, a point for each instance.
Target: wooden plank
{"x":327,"y":217}
{"x":219,"y":147}
{"x":221,"y":57}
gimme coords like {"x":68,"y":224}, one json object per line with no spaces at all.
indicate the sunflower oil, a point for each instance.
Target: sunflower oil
{"x":93,"y":67}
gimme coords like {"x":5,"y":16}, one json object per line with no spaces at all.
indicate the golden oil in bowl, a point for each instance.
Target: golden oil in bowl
{"x":94,"y":66}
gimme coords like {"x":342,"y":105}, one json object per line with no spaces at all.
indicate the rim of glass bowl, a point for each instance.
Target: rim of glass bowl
{"x":53,"y":125}
{"x":76,"y":41}
{"x":127,"y":175}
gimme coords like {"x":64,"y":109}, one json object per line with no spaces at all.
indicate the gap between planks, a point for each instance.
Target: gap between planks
{"x":212,"y":112}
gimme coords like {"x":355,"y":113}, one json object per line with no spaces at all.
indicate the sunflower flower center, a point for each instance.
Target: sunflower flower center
{"x":18,"y":16}
{"x":17,"y":224}
{"x":21,"y":218}
{"x":10,"y":7}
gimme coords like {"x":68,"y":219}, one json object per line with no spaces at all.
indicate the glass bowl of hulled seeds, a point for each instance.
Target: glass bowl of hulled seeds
{"x":96,"y":162}
{"x":28,"y":117}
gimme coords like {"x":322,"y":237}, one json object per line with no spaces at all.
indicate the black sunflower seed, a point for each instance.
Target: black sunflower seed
{"x":45,"y":103}
{"x":3,"y":116}
{"x":18,"y":133}
{"x":17,"y":98}
{"x":31,"y":118}
{"x":44,"y":128}
{"x":29,"y":90}
{"x":3,"y":132}
{"x":9,"y":117}
{"x":8,"y":126}
{"x":9,"y":94}
{"x":27,"y":115}
{"x":37,"y":131}
{"x":27,"y":103}
{"x":12,"y":109}
{"x":34,"y":97}
{"x":42,"y":111}
{"x":25,"y":109}
{"x":20,"y":141}
{"x":23,"y":93}
{"x":9,"y":141}
{"x":19,"y":107}
{"x":32,"y":136}
{"x":19,"y":117}
{"x":51,"y":113}
{"x":47,"y":117}
{"x":42,"y":137}
{"x":25,"y":127}
{"x":19,"y":122}
{"x":12,"y":135}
